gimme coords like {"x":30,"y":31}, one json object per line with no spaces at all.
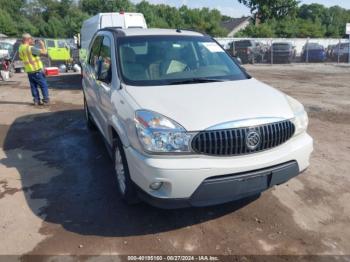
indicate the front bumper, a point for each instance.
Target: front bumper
{"x":196,"y":180}
{"x":245,"y":58}
{"x":218,"y":190}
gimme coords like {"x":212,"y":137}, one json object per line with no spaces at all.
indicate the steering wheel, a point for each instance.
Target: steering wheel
{"x":186,"y":69}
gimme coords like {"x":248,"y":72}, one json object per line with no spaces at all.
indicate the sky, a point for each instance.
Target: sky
{"x":233,"y":8}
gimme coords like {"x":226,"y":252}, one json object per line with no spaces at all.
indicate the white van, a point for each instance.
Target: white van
{"x":103,"y":20}
{"x":184,"y":123}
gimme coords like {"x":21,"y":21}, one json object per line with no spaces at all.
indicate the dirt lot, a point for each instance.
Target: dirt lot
{"x":58,"y":195}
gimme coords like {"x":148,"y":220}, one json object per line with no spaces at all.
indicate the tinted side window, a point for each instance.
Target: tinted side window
{"x":105,"y":61}
{"x":95,"y":53}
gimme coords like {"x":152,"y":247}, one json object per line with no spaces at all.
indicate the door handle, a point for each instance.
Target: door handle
{"x":105,"y":87}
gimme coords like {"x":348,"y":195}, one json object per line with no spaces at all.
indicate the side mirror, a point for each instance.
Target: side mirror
{"x":102,"y":74}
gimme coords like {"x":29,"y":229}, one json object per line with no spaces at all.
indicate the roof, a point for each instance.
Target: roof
{"x":2,"y":35}
{"x":157,"y":31}
{"x":234,"y":22}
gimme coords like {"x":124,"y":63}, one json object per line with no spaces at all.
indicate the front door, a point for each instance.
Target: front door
{"x":91,"y":81}
{"x":105,"y":80}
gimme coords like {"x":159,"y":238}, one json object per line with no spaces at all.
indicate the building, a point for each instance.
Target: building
{"x":235,"y":25}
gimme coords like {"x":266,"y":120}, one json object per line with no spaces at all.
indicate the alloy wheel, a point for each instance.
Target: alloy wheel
{"x":120,"y":171}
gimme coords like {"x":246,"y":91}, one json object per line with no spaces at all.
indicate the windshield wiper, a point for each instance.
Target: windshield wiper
{"x":196,"y":80}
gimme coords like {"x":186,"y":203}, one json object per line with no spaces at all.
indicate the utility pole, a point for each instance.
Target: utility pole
{"x":348,"y":33}
{"x":349,"y":51}
{"x":271,"y":52}
{"x":307,"y":50}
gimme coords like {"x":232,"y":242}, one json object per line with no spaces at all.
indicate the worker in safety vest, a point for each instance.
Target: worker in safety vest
{"x":30,"y":55}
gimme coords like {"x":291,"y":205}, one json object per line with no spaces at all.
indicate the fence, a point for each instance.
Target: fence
{"x":276,"y":50}
{"x":282,"y":50}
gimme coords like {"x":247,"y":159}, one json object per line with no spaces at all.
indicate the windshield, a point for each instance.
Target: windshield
{"x":342,"y":46}
{"x":281,"y":46}
{"x":50,"y":43}
{"x":314,"y":47}
{"x":244,"y":43}
{"x":61,"y":44}
{"x":165,"y":60}
{"x":6,"y":46}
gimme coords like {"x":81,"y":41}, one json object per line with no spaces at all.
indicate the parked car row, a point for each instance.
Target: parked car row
{"x":339,"y":52}
{"x":252,"y":51}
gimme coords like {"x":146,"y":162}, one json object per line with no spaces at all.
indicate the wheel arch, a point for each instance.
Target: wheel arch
{"x":116,"y":132}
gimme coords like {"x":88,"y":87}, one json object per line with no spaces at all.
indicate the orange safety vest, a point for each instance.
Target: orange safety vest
{"x":31,"y":63}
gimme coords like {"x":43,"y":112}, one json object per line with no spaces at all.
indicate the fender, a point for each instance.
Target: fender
{"x":118,"y":127}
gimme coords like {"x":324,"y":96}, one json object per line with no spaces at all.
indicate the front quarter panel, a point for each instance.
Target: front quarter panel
{"x":122,"y":118}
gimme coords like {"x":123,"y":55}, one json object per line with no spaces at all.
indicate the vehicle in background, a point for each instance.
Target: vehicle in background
{"x":16,"y":61}
{"x":249,"y":51}
{"x":329,"y":51}
{"x":341,"y":52}
{"x":313,"y":52}
{"x":282,"y":52}
{"x":74,"y":51}
{"x":58,"y":52}
{"x":186,"y":125}
{"x":6,"y":68}
{"x":103,"y":20}
{"x":9,"y":56}
{"x":5,"y":49}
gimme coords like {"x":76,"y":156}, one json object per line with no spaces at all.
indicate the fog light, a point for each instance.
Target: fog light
{"x":156,"y":185}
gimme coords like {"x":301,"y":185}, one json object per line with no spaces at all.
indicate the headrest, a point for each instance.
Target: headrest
{"x":128,"y":54}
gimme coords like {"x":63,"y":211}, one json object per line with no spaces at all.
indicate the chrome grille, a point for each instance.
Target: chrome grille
{"x":229,"y":142}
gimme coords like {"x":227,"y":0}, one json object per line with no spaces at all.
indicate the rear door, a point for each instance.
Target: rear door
{"x":112,"y":20}
{"x":134,"y":20}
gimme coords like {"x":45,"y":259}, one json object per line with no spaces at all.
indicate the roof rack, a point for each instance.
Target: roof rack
{"x":118,"y":29}
{"x":112,"y":29}
{"x":193,"y":30}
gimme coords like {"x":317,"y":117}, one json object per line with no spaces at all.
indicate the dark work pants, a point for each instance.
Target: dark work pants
{"x":36,"y":80}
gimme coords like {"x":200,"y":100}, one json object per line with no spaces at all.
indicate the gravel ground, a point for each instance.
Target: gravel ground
{"x":58,"y":195}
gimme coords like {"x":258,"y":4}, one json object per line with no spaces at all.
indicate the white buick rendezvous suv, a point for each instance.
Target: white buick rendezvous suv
{"x":184,"y":123}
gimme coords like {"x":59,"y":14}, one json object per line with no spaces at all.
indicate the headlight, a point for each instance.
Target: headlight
{"x":300,"y":120}
{"x":159,"y":134}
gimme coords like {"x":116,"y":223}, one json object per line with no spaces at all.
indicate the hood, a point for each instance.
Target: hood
{"x":200,"y":106}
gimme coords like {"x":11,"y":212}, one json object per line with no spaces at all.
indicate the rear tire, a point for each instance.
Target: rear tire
{"x":126,"y":187}
{"x":89,"y":122}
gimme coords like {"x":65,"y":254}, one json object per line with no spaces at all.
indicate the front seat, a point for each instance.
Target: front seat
{"x":172,"y":63}
{"x":131,"y":69}
{"x":156,"y":56}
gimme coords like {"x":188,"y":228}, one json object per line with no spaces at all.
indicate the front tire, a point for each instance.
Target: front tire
{"x":126,"y":187}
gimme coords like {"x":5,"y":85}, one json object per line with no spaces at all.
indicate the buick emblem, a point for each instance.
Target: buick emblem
{"x":252,"y":140}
